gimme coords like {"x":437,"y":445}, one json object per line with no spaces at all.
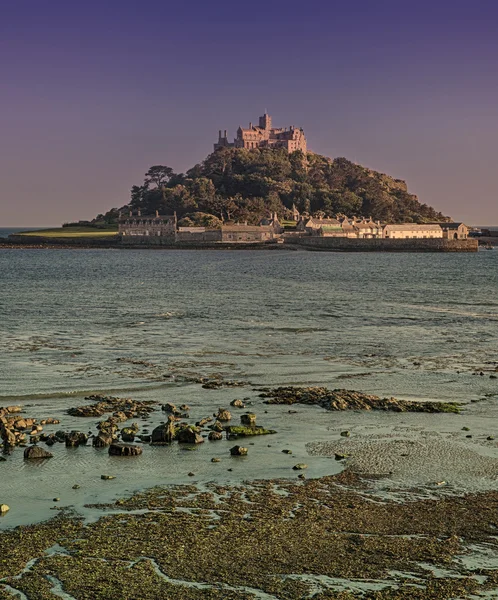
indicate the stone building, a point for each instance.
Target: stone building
{"x":350,"y":228}
{"x":147,"y":225}
{"x":272,"y":222}
{"x":247,"y":233}
{"x":412,"y":231}
{"x":454,"y":231}
{"x":265,"y":136}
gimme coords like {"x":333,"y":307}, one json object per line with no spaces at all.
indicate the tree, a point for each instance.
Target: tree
{"x":159,"y":175}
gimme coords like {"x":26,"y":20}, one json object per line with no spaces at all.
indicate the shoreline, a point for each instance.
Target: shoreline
{"x":342,"y":245}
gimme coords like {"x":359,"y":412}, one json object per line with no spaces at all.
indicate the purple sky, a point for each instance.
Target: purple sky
{"x":93,"y":93}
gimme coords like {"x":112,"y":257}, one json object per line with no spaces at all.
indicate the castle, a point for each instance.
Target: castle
{"x":265,"y":136}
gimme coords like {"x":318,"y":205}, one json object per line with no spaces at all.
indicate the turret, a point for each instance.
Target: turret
{"x":265,"y":121}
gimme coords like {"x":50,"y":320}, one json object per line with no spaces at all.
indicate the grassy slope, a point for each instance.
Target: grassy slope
{"x":71,"y":232}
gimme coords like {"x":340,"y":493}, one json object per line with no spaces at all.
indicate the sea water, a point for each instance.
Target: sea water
{"x":148,"y":324}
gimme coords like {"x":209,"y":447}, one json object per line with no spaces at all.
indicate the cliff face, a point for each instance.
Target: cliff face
{"x":242,"y":184}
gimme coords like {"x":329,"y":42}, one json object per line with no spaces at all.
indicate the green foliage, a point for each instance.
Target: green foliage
{"x":240,"y":184}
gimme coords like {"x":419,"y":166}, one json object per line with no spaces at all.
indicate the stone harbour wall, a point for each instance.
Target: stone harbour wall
{"x":338,"y":244}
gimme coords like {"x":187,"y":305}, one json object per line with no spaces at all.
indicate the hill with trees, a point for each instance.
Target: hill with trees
{"x":234,"y":184}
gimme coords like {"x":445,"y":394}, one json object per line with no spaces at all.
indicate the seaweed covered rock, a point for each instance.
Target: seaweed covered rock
{"x":235,"y":431}
{"x":123,"y":408}
{"x":215,"y":436}
{"x":341,"y":399}
{"x":36,"y":452}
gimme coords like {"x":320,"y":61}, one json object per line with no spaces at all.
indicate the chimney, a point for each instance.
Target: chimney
{"x":225,"y":133}
{"x":250,"y":125}
{"x":219,"y":134}
{"x":131,"y":213}
{"x":139,"y":213}
{"x":157,"y":213}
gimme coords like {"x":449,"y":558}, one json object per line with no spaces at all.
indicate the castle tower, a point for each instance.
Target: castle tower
{"x":265,"y":122}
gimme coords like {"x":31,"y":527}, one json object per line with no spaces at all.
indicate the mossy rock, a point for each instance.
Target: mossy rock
{"x":244,"y":431}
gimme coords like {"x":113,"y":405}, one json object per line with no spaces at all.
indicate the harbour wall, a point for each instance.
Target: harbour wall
{"x":338,"y":244}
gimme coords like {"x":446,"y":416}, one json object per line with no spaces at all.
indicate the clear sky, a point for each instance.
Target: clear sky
{"x":93,"y":93}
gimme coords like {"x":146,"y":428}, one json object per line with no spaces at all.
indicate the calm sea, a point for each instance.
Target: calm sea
{"x":75,"y":320}
{"x":147,"y":324}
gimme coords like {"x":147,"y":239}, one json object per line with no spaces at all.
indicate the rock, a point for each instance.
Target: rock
{"x":248,"y":419}
{"x":75,"y":439}
{"x":301,"y":476}
{"x":56,"y":500}
{"x":490,"y":437}
{"x":189,"y":435}
{"x":13,"y":409}
{"x":102,"y":440}
{"x":223,"y":415}
{"x":146,"y":439}
{"x":216,"y":426}
{"x":341,"y":399}
{"x":465,"y":428}
{"x":185,"y":407}
{"x":4,"y":508}
{"x":120,"y":417}
{"x":238,"y":451}
{"x":2,"y":458}
{"x":170,"y":408}
{"x":203,"y":422}
{"x":345,"y":433}
{"x":286,"y":451}
{"x":235,"y":431}
{"x":124,"y":450}
{"x":107,"y":477}
{"x":300,"y":467}
{"x":34,"y":452}
{"x":237,"y":403}
{"x":191,"y":474}
{"x":338,"y":456}
{"x":128,"y":434}
{"x":76,"y":486}
{"x":165,"y":433}
{"x":215,"y":436}
{"x":213,"y":460}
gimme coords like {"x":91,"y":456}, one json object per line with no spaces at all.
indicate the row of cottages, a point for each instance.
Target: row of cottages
{"x":352,"y":228}
{"x":147,"y":225}
{"x":167,"y":227}
{"x":449,"y":231}
{"x":367,"y":228}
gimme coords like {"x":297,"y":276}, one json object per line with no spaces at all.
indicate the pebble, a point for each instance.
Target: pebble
{"x":56,"y":499}
{"x":4,"y":508}
{"x":107,"y":477}
{"x":76,"y":486}
{"x":191,"y":474}
{"x":216,"y":460}
{"x":300,"y":467}
{"x":287,"y":451}
{"x":345,"y":433}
